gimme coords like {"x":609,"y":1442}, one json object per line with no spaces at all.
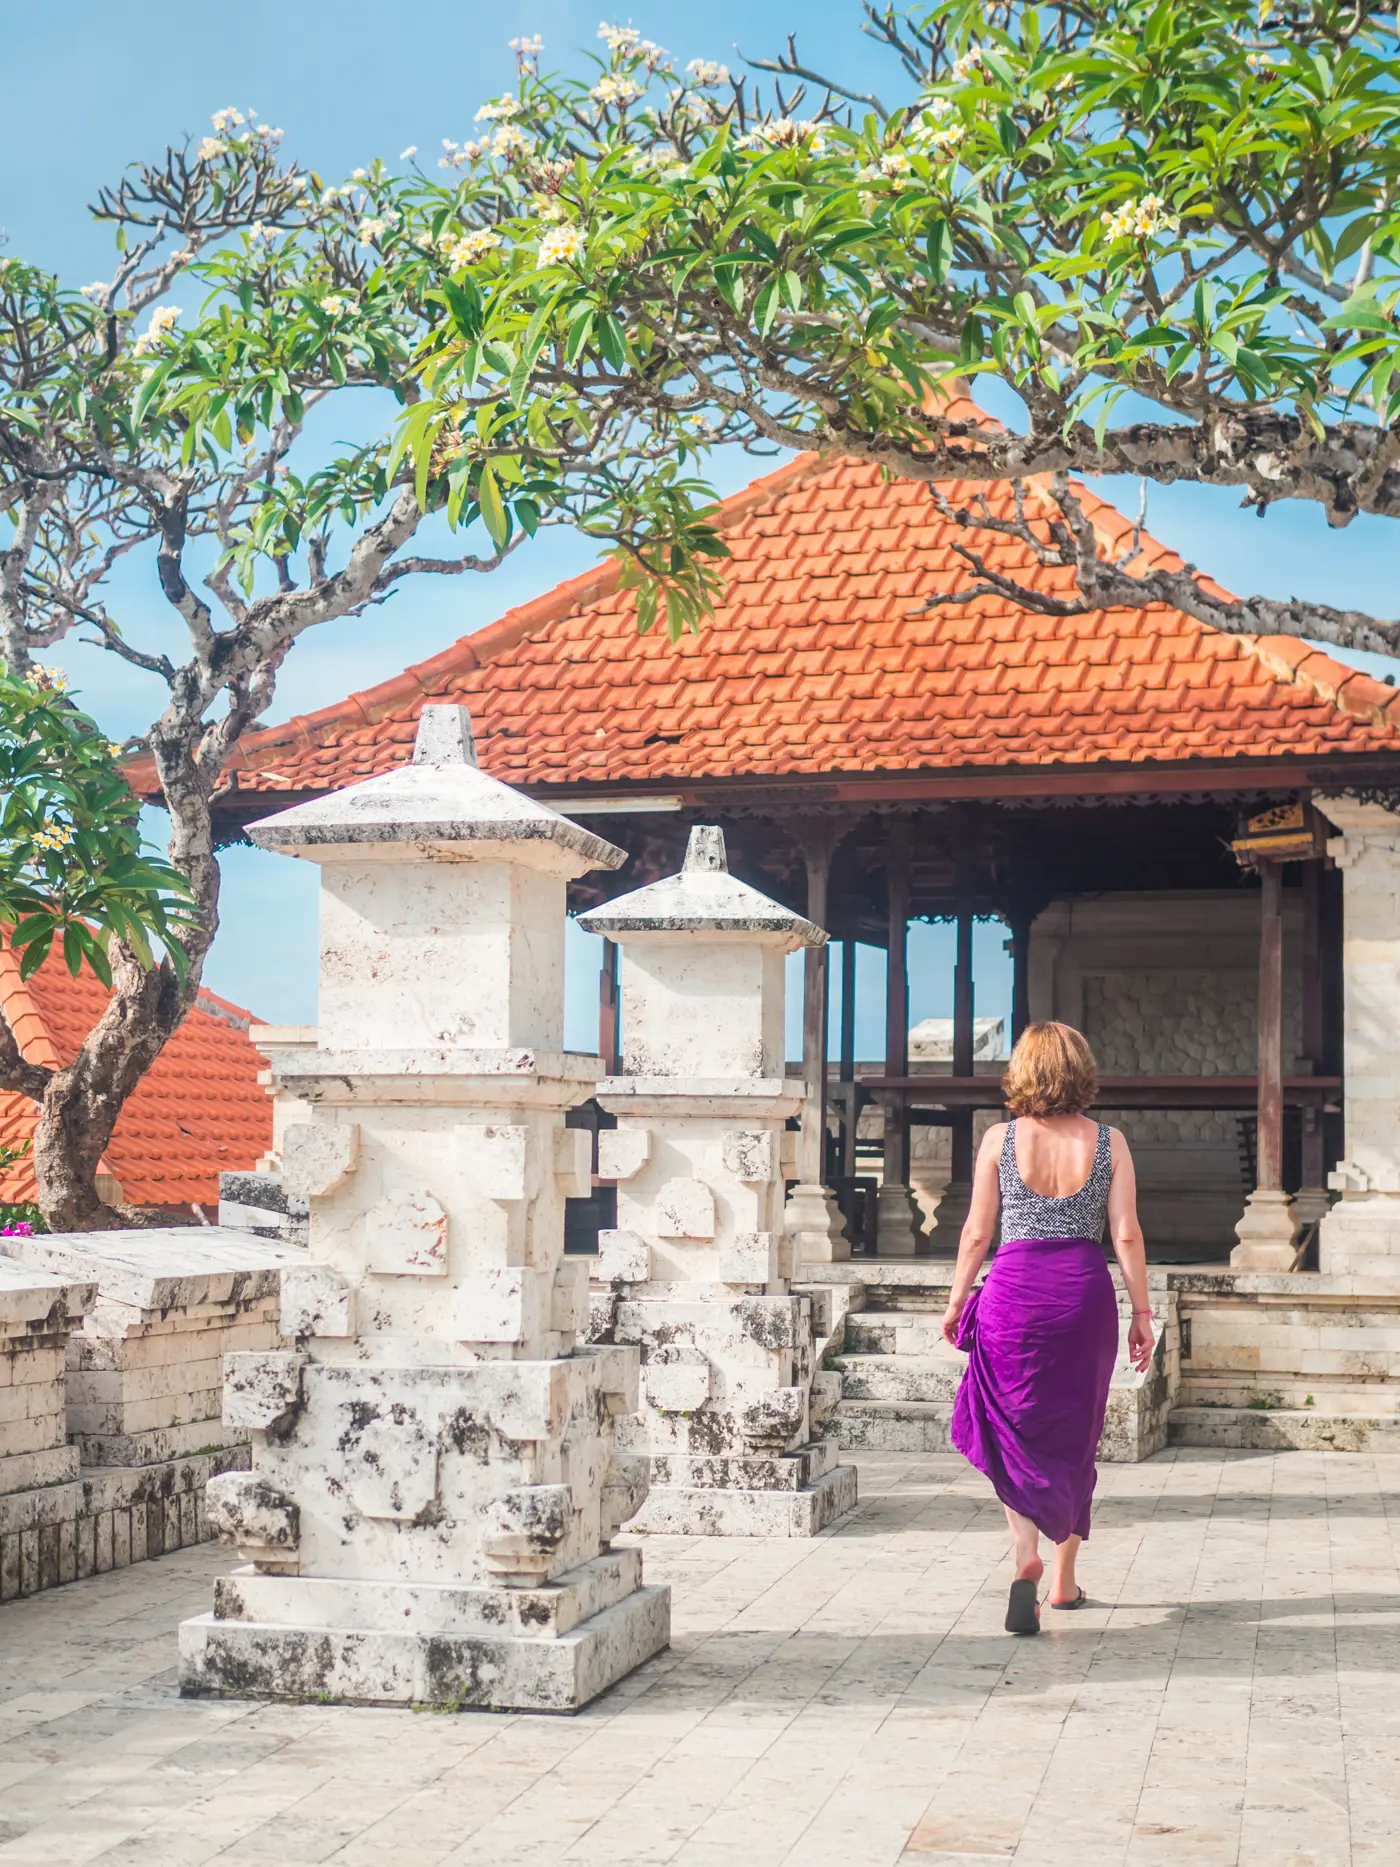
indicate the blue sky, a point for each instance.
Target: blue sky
{"x":359,"y":78}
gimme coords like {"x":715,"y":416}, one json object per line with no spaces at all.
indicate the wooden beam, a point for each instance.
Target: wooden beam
{"x":1269,"y":1173}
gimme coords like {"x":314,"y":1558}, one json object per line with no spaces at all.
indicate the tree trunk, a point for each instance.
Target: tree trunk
{"x":82,"y":1102}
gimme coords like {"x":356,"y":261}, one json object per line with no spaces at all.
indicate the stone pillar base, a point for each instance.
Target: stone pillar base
{"x":1268,"y":1233}
{"x":949,"y":1217}
{"x":898,"y":1232}
{"x":551,"y":1648}
{"x":813,"y":1222}
{"x":739,"y":1496}
{"x":1310,"y":1203}
{"x":1360,"y":1237}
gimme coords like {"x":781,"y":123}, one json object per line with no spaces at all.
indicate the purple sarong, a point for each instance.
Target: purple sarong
{"x":1041,"y":1335}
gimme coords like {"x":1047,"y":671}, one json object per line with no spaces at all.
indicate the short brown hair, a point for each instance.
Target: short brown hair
{"x":1051,"y":1072}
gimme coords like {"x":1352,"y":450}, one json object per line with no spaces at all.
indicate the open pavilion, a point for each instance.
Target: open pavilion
{"x":874,"y":761}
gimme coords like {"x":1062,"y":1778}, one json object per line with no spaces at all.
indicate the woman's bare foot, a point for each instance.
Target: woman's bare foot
{"x":1030,"y":1570}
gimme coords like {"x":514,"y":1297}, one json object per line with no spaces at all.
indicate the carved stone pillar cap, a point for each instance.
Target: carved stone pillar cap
{"x":440,"y":804}
{"x":703,"y":899}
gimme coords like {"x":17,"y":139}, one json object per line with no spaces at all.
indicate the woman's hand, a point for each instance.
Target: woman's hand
{"x":1140,"y":1341}
{"x":951,"y":1317}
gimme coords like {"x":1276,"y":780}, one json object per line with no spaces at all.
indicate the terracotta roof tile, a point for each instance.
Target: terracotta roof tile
{"x":198,"y":1112}
{"x":819,"y":629}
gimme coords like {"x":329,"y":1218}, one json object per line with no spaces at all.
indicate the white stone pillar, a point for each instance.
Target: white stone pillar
{"x":697,"y":1271}
{"x":434,"y":1479}
{"x":1361,"y":1234}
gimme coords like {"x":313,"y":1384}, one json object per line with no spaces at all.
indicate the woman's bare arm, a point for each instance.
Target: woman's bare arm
{"x":1128,"y":1247}
{"x":980,"y":1229}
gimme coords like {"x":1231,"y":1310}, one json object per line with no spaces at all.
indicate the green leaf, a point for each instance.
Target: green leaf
{"x":766,"y":307}
{"x":493,"y":511}
{"x":939,"y":247}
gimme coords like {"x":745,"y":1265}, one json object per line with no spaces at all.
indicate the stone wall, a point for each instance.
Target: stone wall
{"x":111,"y":1384}
{"x":1113,"y":967}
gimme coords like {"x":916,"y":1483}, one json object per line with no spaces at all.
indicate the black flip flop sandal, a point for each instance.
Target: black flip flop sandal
{"x":1065,"y":1607}
{"x":1021,"y":1616}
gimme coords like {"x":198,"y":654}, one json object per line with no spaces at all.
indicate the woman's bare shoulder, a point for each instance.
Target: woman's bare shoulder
{"x":1118,"y":1143}
{"x":995,"y":1137}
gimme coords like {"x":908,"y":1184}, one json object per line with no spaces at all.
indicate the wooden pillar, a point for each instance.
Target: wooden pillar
{"x":1267,"y":1229}
{"x":1269,"y":1177}
{"x":963,"y":1042}
{"x":1312,"y":1195}
{"x":898,"y":1229}
{"x":811,"y":1163}
{"x":848,"y":1054}
{"x":897,"y":999}
{"x":848,"y":1011}
{"x":609,"y":1021}
{"x":1019,"y":946}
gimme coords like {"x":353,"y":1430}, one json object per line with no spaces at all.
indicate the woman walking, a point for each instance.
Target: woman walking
{"x":1041,"y":1331}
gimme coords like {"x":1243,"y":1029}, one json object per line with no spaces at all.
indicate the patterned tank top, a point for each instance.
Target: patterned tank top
{"x":1025,"y":1214}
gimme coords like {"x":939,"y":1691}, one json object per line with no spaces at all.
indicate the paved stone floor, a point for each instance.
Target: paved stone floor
{"x":1231,"y":1696}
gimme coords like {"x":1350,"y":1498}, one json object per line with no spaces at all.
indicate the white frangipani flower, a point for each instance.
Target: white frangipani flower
{"x":1139,"y":220}
{"x":464,"y":249}
{"x":560,"y":245}
{"x":610,"y":89}
{"x":619,"y":38}
{"x":163,"y":320}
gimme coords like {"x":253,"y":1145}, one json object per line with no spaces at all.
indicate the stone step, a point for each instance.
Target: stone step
{"x":1270,"y":1393}
{"x":891,"y":1425}
{"x":896,"y":1332}
{"x":900,"y":1377}
{"x":1251,"y":1429}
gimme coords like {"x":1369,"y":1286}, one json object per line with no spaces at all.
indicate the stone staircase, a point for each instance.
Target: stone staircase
{"x":1254,"y":1361}
{"x":899,"y":1377}
{"x":1273,"y":1363}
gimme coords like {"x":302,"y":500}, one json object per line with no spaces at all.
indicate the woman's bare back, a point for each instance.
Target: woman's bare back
{"x":1055,"y":1153}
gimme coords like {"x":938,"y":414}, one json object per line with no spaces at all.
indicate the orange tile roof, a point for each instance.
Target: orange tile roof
{"x":817,"y":663}
{"x":199,"y":1110}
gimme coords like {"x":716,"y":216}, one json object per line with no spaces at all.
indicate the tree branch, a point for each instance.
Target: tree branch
{"x":1067,"y":541}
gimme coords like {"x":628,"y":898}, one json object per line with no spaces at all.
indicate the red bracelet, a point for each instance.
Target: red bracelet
{"x":1142,"y":1312}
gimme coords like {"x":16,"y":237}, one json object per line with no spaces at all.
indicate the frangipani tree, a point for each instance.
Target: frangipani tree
{"x":1169,"y":226}
{"x":129,"y":425}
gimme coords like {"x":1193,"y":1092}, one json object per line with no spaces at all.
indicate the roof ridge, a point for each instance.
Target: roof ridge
{"x":1350,"y":690}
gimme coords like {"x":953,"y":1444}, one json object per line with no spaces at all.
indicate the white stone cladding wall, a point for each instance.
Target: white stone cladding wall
{"x":1361,"y":1234}
{"x":1113,"y":967}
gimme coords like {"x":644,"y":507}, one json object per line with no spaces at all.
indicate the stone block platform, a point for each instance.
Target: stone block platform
{"x":111,"y":1365}
{"x":1227,"y":1699}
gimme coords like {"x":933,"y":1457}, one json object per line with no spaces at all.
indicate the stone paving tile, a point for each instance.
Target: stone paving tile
{"x":1228,"y":1698}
